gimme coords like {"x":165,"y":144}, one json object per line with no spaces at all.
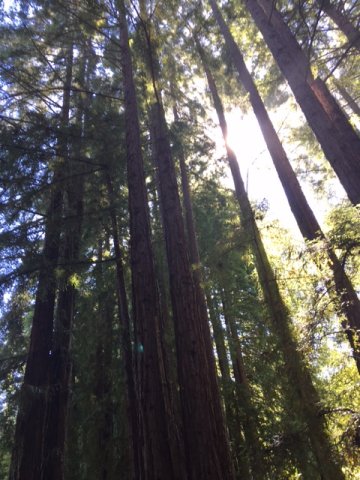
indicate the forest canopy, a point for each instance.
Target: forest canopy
{"x":179,"y":240}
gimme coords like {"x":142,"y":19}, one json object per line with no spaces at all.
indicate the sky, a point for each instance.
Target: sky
{"x":259,"y":174}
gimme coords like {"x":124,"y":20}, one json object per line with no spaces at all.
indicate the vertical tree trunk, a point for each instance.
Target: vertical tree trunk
{"x":201,"y":409}
{"x":60,"y":371}
{"x":304,"y":216}
{"x":257,"y":465}
{"x":254,"y":446}
{"x":202,"y":416}
{"x":305,"y":398}
{"x":339,"y":141}
{"x":341,"y":20}
{"x":27,"y":455}
{"x":103,"y":461}
{"x":202,"y":308}
{"x":233,"y":404}
{"x":156,"y":461}
{"x":125,"y":328}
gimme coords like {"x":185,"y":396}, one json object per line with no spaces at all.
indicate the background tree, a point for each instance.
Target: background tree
{"x":110,"y":355}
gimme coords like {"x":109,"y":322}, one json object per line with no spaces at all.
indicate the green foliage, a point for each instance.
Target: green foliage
{"x":35,"y":37}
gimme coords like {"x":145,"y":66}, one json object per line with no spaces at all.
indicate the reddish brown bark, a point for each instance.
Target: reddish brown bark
{"x":156,"y":461}
{"x":304,"y":216}
{"x":28,"y":452}
{"x":202,"y":415}
{"x":60,"y":369}
{"x":28,"y":441}
{"x":195,"y":266}
{"x":305,"y":398}
{"x":339,"y":141}
{"x":204,"y":429}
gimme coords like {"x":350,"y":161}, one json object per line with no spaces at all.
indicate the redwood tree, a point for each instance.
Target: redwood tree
{"x":202,"y":416}
{"x":305,"y":397}
{"x":27,"y":456}
{"x":155,"y":460}
{"x":339,"y":141}
{"x":304,"y":216}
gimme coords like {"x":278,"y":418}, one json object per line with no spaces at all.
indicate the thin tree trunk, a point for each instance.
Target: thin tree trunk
{"x":27,"y":455}
{"x":125,"y":328}
{"x":304,"y":216}
{"x":219,"y":341}
{"x":350,"y":101}
{"x":341,"y":20}
{"x":254,"y":446}
{"x":233,"y":405}
{"x":156,"y":461}
{"x":339,"y":141}
{"x":103,"y":461}
{"x":305,"y":397}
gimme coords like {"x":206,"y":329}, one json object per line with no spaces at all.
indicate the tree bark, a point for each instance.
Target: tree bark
{"x":27,"y":455}
{"x":339,"y":141}
{"x":201,"y":409}
{"x":103,"y":461}
{"x":60,"y":371}
{"x":304,"y":216}
{"x":254,"y":447}
{"x":341,"y":20}
{"x":202,"y":416}
{"x":350,"y":101}
{"x":233,"y":403}
{"x":125,"y":328}
{"x":156,"y":461}
{"x":305,"y":398}
{"x":197,"y":277}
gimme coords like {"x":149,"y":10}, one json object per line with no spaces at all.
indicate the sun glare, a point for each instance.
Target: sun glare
{"x":257,"y":169}
{"x":260,"y":178}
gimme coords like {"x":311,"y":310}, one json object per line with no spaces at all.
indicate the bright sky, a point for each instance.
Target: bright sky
{"x":258,"y":172}
{"x":256,"y":166}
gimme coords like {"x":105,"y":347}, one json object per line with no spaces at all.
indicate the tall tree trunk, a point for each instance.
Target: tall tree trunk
{"x":202,"y":415}
{"x":195,"y":257}
{"x":156,"y":461}
{"x":254,"y":446}
{"x":244,"y":403}
{"x":305,"y":398}
{"x":27,"y":455}
{"x":350,"y":101}
{"x":342,"y":21}
{"x":60,"y":372}
{"x":125,"y":328}
{"x":233,"y":405}
{"x":201,"y":409}
{"x":103,"y":461}
{"x":304,"y":216}
{"x":195,"y":266}
{"x":339,"y":141}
